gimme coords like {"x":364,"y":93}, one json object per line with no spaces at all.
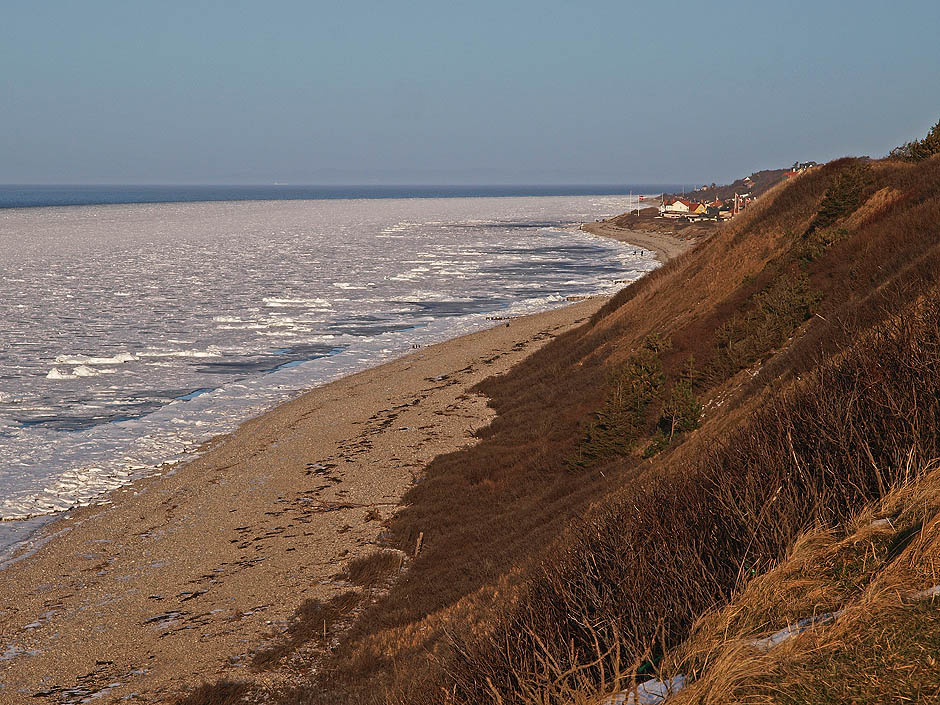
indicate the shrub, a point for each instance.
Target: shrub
{"x":768,"y":321}
{"x":680,"y":414}
{"x":918,"y":150}
{"x":843,"y":196}
{"x":620,"y":424}
{"x":816,"y":243}
{"x":682,"y":411}
{"x":659,"y":443}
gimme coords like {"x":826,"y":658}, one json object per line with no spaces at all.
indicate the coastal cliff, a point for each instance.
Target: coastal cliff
{"x":722,"y":478}
{"x":745,"y":408}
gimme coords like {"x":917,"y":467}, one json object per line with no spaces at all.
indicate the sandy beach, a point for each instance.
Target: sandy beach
{"x":665,"y":246}
{"x":179,"y":577}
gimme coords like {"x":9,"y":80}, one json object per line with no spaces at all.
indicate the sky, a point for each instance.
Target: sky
{"x":437,"y":92}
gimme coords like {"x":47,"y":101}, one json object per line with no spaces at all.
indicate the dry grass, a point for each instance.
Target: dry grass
{"x":315,"y":621}
{"x":674,"y":543}
{"x":223,"y":692}
{"x":884,"y":645}
{"x":537,"y":584}
{"x":375,"y":569}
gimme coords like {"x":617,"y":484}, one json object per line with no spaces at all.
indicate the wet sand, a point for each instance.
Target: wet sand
{"x":180,"y":576}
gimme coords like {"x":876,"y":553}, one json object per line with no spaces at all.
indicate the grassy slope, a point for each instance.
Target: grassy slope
{"x":884,"y":646}
{"x":815,"y":353}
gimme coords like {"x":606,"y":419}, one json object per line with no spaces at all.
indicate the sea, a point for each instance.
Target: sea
{"x":138,"y":322}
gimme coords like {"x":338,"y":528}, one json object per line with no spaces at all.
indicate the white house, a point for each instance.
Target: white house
{"x":675,"y":207}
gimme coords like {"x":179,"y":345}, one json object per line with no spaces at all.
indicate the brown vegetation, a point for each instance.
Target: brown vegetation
{"x":375,"y":569}
{"x":815,"y":319}
{"x":314,"y":621}
{"x":883,"y":645}
{"x":641,"y":570}
{"x":223,"y":692}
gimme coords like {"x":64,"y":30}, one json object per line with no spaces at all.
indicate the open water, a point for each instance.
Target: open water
{"x":130,"y":334}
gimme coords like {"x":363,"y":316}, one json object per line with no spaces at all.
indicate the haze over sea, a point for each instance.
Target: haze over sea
{"x":134,"y":332}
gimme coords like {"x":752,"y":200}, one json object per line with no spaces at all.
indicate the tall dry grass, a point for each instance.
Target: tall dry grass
{"x":634,"y":577}
{"x":540,"y":584}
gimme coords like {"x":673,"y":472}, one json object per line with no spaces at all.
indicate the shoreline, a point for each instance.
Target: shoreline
{"x":664,"y":245}
{"x":344,"y":363}
{"x":179,"y":576}
{"x":59,"y":470}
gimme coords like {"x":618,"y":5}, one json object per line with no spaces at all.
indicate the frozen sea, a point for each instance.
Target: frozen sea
{"x":131,"y":333}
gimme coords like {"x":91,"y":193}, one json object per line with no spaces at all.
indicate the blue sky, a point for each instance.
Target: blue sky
{"x":473,"y":92}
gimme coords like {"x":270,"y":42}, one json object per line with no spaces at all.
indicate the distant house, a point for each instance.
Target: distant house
{"x":803,"y":166}
{"x":715,"y":208}
{"x":675,"y":207}
{"x":697,"y":208}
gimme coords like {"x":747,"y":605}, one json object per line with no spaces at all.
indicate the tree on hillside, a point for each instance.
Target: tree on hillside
{"x":843,"y":196}
{"x":918,"y":150}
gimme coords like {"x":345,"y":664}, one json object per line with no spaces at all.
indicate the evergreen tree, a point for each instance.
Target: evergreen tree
{"x":918,"y":150}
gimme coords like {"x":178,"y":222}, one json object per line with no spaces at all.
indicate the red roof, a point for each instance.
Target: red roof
{"x":691,"y":205}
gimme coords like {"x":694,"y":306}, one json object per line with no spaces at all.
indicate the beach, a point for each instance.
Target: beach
{"x":177,"y":578}
{"x":123,"y":354}
{"x":663,"y":244}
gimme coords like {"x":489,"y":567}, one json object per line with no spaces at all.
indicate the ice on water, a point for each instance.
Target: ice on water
{"x":132,"y":333}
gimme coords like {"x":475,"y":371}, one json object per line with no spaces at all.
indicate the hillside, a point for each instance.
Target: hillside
{"x":701,"y":465}
{"x":757,"y":184}
{"x":648,"y":220}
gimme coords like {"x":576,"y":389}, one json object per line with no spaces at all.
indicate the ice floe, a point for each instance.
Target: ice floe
{"x":101,"y":358}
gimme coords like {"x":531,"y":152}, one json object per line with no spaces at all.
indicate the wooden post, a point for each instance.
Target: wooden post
{"x":418,"y":543}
